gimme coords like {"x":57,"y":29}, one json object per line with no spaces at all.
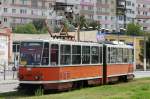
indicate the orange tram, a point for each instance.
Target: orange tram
{"x":62,"y":65}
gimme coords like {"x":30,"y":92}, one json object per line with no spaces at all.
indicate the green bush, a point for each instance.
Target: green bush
{"x":56,"y":29}
{"x":27,"y":29}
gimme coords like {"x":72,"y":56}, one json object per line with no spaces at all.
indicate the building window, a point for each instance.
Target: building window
{"x":5,"y":9}
{"x":23,"y":11}
{"x":50,"y":5}
{"x":13,"y":1}
{"x":106,"y":17}
{"x":5,"y":19}
{"x":13,"y":10}
{"x":24,"y":2}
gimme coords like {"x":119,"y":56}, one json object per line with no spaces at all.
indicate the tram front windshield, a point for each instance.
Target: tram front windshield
{"x":31,"y":53}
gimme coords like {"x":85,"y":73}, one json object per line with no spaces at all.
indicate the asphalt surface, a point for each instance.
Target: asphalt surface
{"x":8,"y":87}
{"x":10,"y":84}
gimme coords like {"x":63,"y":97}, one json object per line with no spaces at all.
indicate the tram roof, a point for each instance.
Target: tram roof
{"x":67,"y":42}
{"x":60,"y":41}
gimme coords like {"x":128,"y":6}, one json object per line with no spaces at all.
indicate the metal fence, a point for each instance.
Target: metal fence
{"x":8,"y":72}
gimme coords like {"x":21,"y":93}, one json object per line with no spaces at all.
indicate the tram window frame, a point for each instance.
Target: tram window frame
{"x":125,"y":55}
{"x":113,"y":55}
{"x":16,"y":47}
{"x":100,"y":54}
{"x":119,"y":55}
{"x":130,"y":56}
{"x":108,"y":55}
{"x":65,"y":55}
{"x":94,"y":55}
{"x":55,"y":48}
{"x":86,"y":55}
{"x":76,"y":54}
{"x":45,"y":54}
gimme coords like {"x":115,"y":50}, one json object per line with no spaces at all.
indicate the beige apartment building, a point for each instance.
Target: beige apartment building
{"x":14,"y":12}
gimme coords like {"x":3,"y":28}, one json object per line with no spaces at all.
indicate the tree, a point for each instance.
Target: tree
{"x":134,"y":29}
{"x":95,"y":25}
{"x":27,"y":29}
{"x":39,"y":24}
{"x":80,"y":20}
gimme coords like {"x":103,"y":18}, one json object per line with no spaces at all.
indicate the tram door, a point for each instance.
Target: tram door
{"x":16,"y":53}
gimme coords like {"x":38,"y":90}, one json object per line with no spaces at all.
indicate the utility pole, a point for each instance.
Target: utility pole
{"x":144,"y":28}
{"x":144,"y":50}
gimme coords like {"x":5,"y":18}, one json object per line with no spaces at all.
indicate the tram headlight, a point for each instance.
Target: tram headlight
{"x":38,"y":77}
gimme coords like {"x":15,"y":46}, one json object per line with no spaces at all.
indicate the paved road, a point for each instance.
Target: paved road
{"x":9,"y":75}
{"x":141,"y":74}
{"x":11,"y":85}
{"x":8,"y":87}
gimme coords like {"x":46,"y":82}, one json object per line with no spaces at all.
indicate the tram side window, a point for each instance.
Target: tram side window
{"x":101,"y":54}
{"x":54,"y":54}
{"x":130,"y":56}
{"x":45,"y":56}
{"x":108,"y":55}
{"x":120,"y":55}
{"x":94,"y":55}
{"x":16,"y":47}
{"x":113,"y":55}
{"x":85,"y":54}
{"x":125,"y":55}
{"x":65,"y":55}
{"x":76,"y":54}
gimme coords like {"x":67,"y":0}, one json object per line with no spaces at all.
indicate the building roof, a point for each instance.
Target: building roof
{"x":84,"y":36}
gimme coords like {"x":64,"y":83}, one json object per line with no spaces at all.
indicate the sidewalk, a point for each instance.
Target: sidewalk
{"x":10,"y":78}
{"x":9,"y":81}
{"x":141,"y":74}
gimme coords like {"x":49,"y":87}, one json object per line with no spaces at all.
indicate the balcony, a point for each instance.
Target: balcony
{"x":102,"y":5}
{"x":102,"y":13}
{"x":86,"y":3}
{"x":23,"y":16}
{"x":27,"y":6}
{"x":142,"y":17}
